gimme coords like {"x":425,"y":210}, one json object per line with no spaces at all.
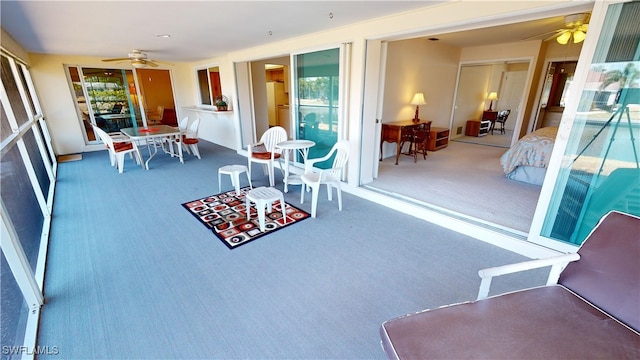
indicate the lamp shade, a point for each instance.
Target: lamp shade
{"x":418,"y":99}
{"x":492,"y":96}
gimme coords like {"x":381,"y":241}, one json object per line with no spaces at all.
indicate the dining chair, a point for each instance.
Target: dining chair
{"x":501,"y":119}
{"x":330,"y":177}
{"x":156,"y":117}
{"x":190,"y":140}
{"x":118,"y":146}
{"x":183,"y":125}
{"x":265,"y":151}
{"x":419,"y":141}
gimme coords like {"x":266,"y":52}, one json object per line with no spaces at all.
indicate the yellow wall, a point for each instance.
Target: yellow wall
{"x":58,"y":103}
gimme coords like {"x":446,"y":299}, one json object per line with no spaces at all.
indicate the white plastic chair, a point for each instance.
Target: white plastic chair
{"x":190,"y":140}
{"x":183,"y":126}
{"x":331,"y":177}
{"x":118,"y":147}
{"x":265,"y":152}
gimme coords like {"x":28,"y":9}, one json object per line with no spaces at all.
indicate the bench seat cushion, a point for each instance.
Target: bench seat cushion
{"x":542,"y":323}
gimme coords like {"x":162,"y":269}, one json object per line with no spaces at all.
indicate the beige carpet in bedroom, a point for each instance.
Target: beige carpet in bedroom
{"x":466,"y":178}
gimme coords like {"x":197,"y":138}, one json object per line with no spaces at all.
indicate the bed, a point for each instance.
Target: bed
{"x":528,"y":158}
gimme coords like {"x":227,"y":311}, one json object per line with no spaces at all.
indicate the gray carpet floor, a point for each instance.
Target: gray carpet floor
{"x":465,"y":178}
{"x":131,"y":274}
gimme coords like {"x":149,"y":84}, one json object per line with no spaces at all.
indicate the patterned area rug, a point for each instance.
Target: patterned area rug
{"x":225,"y":215}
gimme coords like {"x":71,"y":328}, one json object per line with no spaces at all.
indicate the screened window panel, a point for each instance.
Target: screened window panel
{"x":37,"y":161}
{"x":43,"y":131}
{"x":13,"y":308}
{"x":22,"y":205}
{"x":13,"y":94}
{"x":23,"y":80}
{"x":5,"y":127}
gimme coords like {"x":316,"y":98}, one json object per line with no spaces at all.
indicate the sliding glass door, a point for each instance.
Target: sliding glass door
{"x":106,"y":98}
{"x":600,"y":169}
{"x":111,"y":98}
{"x":317,"y":99}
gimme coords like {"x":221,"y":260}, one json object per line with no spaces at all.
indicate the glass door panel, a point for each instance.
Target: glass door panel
{"x":601,"y":171}
{"x":317,"y":82}
{"x":106,"y":98}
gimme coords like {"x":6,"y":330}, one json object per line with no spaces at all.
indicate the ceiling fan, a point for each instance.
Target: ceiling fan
{"x":575,"y":26}
{"x":138,"y":59}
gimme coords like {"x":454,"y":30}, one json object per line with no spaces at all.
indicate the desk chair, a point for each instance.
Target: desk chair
{"x":501,"y":119}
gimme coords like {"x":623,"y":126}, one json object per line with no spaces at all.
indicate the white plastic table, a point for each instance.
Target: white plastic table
{"x":289,"y":147}
{"x":264,"y":197}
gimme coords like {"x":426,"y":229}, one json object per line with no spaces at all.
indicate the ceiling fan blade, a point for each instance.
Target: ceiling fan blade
{"x":552,"y":33}
{"x":560,"y":32}
{"x":161,"y":62}
{"x":115,"y":59}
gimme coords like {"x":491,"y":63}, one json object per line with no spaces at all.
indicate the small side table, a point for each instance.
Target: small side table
{"x":264,"y":197}
{"x":290,"y":146}
{"x":234,"y":172}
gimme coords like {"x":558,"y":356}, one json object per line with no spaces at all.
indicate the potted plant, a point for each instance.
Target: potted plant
{"x":221,"y":104}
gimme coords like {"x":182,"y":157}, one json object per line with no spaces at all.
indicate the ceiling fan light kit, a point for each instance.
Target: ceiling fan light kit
{"x":576,"y":27}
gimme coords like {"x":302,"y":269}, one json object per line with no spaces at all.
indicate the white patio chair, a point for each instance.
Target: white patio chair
{"x":265,"y":152}
{"x":189,"y":139}
{"x":331,"y":177}
{"x":118,"y":147}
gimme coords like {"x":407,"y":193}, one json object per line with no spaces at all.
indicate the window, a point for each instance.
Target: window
{"x":209,"y":85}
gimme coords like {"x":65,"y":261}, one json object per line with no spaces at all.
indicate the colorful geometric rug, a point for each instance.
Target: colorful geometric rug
{"x":225,"y":215}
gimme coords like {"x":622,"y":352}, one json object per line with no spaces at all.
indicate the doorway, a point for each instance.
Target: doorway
{"x":557,"y":86}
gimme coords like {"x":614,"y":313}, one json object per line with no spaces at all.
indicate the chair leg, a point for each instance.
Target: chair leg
{"x":120,"y":158}
{"x":314,"y":200}
{"x":194,"y":149}
{"x":271,"y":180}
{"x":339,"y":194}
{"x":329,"y":192}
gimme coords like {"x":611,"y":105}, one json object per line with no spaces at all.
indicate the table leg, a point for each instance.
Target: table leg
{"x":398,"y":152}
{"x":286,"y":170}
{"x":151,"y":155}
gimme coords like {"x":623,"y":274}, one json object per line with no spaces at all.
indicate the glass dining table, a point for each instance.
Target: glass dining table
{"x":154,"y":136}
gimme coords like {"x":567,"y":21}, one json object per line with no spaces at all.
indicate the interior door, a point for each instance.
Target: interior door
{"x":511,"y":91}
{"x":156,"y":91}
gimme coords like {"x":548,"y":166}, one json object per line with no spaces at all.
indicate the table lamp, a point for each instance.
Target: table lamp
{"x":418,"y":99}
{"x":492,"y":96}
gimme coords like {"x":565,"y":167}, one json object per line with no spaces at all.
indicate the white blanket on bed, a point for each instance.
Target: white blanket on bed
{"x":533,"y":149}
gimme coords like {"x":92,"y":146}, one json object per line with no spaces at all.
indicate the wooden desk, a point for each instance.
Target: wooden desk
{"x":392,"y":133}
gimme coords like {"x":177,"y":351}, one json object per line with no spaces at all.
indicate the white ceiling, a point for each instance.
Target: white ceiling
{"x":199,"y":29}
{"x":206,"y":29}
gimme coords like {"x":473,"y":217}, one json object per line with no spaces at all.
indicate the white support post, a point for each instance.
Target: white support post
{"x":18,"y":262}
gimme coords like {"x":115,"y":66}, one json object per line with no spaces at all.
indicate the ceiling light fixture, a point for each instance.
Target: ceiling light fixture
{"x":163,"y":35}
{"x":138,"y":63}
